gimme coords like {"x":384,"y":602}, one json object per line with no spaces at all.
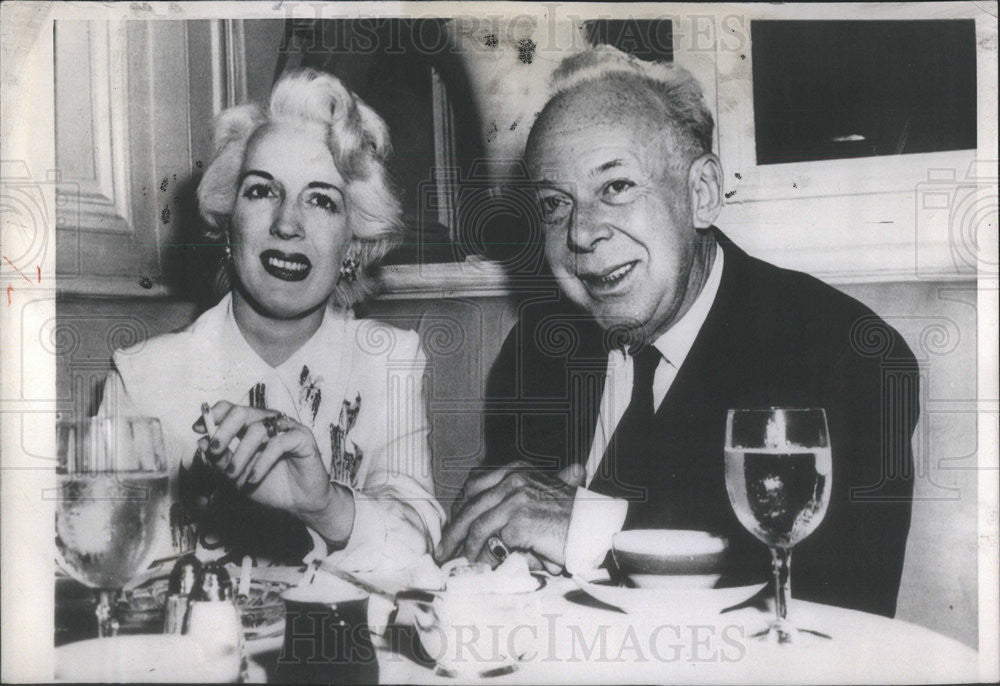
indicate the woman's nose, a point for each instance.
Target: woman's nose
{"x":287,"y":224}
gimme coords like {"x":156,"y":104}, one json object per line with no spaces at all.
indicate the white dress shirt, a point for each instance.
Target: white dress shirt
{"x":596,"y":517}
{"x":356,"y":383}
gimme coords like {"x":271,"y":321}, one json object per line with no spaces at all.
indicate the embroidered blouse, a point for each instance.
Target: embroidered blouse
{"x":357,"y":383}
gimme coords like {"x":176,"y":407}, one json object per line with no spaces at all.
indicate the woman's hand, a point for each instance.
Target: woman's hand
{"x":283,"y":470}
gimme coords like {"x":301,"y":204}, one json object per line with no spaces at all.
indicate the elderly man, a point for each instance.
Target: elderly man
{"x":608,"y":412}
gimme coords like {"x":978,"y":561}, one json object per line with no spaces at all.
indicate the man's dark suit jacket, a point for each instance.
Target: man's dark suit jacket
{"x":773,"y":337}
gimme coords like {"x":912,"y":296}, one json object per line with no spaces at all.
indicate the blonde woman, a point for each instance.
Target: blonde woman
{"x":316,"y":414}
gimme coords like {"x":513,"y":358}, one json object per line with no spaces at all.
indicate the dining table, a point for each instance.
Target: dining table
{"x":576,"y":638}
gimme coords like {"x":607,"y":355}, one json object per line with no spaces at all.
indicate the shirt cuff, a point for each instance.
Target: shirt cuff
{"x":370,"y":532}
{"x":596,"y":518}
{"x":366,"y":547}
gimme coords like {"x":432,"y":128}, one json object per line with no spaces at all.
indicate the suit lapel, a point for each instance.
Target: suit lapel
{"x":704,"y":371}
{"x":689,"y":425}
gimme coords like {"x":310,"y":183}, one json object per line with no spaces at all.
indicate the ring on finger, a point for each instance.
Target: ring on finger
{"x":497,"y":548}
{"x":273,"y":425}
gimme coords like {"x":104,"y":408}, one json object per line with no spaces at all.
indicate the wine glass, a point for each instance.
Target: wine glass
{"x":778,"y":474}
{"x":113,"y":494}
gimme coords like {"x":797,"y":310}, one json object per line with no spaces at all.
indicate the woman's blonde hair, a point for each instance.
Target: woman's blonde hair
{"x":357,"y":138}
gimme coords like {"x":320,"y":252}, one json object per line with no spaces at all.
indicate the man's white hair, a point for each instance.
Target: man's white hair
{"x":684,"y":106}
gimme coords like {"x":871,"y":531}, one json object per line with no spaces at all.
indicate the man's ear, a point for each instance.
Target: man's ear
{"x":705,"y":184}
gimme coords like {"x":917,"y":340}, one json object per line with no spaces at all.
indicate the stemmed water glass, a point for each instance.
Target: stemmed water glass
{"x":113,"y":494}
{"x":778,"y":474}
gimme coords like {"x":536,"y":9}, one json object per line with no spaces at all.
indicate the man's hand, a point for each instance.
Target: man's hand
{"x":528,"y":509}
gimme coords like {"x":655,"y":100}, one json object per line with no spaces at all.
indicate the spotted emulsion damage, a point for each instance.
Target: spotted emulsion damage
{"x":526,"y":50}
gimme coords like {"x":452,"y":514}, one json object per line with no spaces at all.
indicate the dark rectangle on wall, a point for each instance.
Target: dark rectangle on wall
{"x":645,"y":39}
{"x":389,"y":62}
{"x":827,"y":90}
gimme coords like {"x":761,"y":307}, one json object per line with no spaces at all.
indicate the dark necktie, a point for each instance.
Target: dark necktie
{"x":631,"y":440}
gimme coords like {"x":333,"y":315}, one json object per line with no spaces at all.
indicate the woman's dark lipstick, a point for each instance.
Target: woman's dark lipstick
{"x":286,"y":266}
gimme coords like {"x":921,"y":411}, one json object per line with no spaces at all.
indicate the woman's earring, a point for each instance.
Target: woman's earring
{"x":349,"y":270}
{"x":222,"y":283}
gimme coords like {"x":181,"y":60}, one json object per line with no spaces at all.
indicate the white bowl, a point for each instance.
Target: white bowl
{"x":669,"y":558}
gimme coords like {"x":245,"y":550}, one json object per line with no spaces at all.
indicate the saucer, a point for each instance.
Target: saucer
{"x":670,"y":601}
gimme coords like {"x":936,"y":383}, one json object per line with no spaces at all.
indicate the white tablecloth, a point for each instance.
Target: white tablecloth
{"x":578,"y":643}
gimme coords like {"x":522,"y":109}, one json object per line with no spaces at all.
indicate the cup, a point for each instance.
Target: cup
{"x":474,"y":635}
{"x":326,"y":642}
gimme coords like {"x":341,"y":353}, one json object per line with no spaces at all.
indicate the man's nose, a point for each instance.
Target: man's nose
{"x":587,"y":229}
{"x":287,"y":224}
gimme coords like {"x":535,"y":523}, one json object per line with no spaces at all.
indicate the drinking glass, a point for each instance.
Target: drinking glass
{"x":778,"y":474}
{"x":113,"y":494}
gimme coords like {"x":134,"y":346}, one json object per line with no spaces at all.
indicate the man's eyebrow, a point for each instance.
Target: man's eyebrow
{"x":606,"y":166}
{"x":256,"y":172}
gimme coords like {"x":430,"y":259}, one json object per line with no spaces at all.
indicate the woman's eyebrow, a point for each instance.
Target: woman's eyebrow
{"x":256,"y":172}
{"x":322,"y":184}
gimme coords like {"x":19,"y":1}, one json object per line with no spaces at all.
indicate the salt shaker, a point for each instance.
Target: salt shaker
{"x":182,"y":582}
{"x":213,"y":584}
{"x":213,"y":615}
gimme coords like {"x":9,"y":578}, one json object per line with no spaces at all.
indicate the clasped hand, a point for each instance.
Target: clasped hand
{"x":285,"y":470}
{"x":528,"y":509}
